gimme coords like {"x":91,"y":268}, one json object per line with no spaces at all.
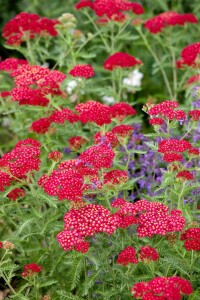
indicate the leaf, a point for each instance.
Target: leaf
{"x":89,"y":283}
{"x":68,"y":296}
{"x":77,"y":270}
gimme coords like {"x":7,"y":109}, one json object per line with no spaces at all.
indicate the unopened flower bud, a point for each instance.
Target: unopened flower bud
{"x":8,"y":245}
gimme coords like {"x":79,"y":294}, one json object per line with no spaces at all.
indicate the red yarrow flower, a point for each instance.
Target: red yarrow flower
{"x":16,"y":193}
{"x":169,"y":18}
{"x":40,"y":126}
{"x":185,"y":174}
{"x":83,"y":222}
{"x":115,"y":177}
{"x":85,"y":71}
{"x":26,"y":26}
{"x":11,"y":64}
{"x":195,"y":114}
{"x":192,"y":239}
{"x":121,"y":111}
{"x":127,"y":256}
{"x":120,"y":60}
{"x":112,"y":9}
{"x":28,"y":96}
{"x":31,"y":269}
{"x":172,"y":156}
{"x":189,"y":56}
{"x":76,"y":142}
{"x":65,"y":184}
{"x":148,"y":253}
{"x":173,"y":145}
{"x":156,"y":121}
{"x":167,"y":288}
{"x":92,"y":111}
{"x":98,"y":156}
{"x":193,"y":79}
{"x":55,"y":156}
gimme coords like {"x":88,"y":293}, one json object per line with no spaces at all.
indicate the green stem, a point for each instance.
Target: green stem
{"x":157,"y":61}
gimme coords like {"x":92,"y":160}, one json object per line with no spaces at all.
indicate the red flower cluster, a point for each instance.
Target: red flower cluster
{"x":65,"y":114}
{"x":16,"y":193}
{"x":55,"y":156}
{"x":85,"y":71}
{"x":166,"y":109}
{"x":26,"y":26}
{"x":152,"y":217}
{"x":121,"y":110}
{"x":98,"y":156}
{"x":86,"y":221}
{"x":23,"y":159}
{"x":122,"y":131}
{"x":120,"y":60}
{"x":195,"y":114}
{"x":189,"y":56}
{"x":193,"y":79}
{"x":66,"y":184}
{"x":108,"y":139}
{"x":162,"y":288}
{"x":28,"y":96}
{"x":169,"y":18}
{"x":11,"y":64}
{"x":5,"y":179}
{"x":113,"y":9}
{"x":171,"y":147}
{"x":33,"y":83}
{"x":156,"y":121}
{"x":31,"y":269}
{"x":76,"y":142}
{"x":92,"y":111}
{"x":40,"y":126}
{"x":185,"y":174}
{"x":128,"y":255}
{"x":192,"y":239}
{"x":148,"y":253}
{"x":114,"y":137}
{"x":115,"y":177}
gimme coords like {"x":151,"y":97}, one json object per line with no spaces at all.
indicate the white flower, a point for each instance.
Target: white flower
{"x":134,"y":79}
{"x":108,"y":100}
{"x":71,"y":86}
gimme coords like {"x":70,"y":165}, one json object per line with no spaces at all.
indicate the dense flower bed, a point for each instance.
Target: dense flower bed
{"x":93,"y":206}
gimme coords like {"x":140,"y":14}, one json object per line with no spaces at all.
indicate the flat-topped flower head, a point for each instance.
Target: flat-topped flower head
{"x":65,"y":184}
{"x":92,"y":111}
{"x":76,"y":142}
{"x":11,"y":64}
{"x":27,"y":26}
{"x":173,"y":145}
{"x":85,"y":71}
{"x":185,"y":175}
{"x":127,"y":256}
{"x":148,"y":253}
{"x":23,"y":159}
{"x":83,"y":222}
{"x":121,"y":111}
{"x":189,"y":56}
{"x":169,"y":18}
{"x":167,"y":288}
{"x":16,"y":193}
{"x":40,"y":126}
{"x":28,"y":96}
{"x":99,"y":157}
{"x":31,"y":269}
{"x":111,"y":9}
{"x":121,"y":60}
{"x":192,"y":239}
